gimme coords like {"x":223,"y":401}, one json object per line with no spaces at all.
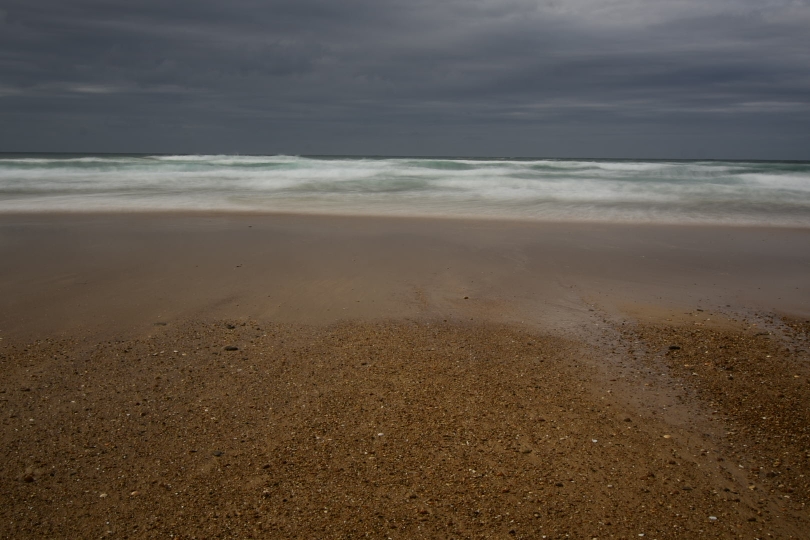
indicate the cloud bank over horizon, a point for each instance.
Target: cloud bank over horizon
{"x":557,"y":78}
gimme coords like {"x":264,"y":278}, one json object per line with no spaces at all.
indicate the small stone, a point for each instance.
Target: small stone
{"x":217,"y":453}
{"x":160,"y":323}
{"x":674,"y":347}
{"x":667,"y":436}
{"x":231,"y":348}
{"x":712,"y":518}
{"x":230,"y":326}
{"x":102,"y":495}
{"x":28,"y":478}
{"x":466,"y":298}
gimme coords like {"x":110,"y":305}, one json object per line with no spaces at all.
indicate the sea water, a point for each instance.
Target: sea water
{"x":710,"y":192}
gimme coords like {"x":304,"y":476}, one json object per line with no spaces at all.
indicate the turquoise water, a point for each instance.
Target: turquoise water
{"x":731,"y":192}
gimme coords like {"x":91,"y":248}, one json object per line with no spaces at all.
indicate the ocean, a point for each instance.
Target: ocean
{"x":690,"y":192}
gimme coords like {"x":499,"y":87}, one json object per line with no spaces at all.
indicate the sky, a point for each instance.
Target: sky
{"x":693,"y":79}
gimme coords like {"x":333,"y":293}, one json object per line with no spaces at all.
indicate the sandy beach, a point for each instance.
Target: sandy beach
{"x":278,"y":376}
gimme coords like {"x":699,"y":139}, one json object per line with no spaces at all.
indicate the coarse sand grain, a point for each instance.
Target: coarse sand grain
{"x":404,"y":429}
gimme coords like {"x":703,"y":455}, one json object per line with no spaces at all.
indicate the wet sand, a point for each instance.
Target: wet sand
{"x":86,"y":273}
{"x":289,"y":376}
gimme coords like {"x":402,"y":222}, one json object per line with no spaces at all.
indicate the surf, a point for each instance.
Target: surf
{"x":721,"y":192}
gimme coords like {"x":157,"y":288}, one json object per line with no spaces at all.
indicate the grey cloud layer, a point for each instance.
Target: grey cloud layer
{"x":576,"y":77}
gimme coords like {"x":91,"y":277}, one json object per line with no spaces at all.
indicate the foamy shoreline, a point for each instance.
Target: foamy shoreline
{"x":624,"y":191}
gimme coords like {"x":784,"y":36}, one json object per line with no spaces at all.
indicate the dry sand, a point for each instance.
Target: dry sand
{"x":284,"y":376}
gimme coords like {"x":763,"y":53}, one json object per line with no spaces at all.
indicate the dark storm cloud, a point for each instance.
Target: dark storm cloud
{"x":693,"y":78}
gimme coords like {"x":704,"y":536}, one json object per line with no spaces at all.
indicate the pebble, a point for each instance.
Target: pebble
{"x":231,"y":348}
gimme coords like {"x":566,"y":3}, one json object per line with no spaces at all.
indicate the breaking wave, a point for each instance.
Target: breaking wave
{"x":727,"y":192}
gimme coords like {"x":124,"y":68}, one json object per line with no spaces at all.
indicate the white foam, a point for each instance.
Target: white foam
{"x":717,"y":192}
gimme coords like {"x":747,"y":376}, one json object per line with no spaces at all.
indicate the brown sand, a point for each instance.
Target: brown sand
{"x":395,"y":378}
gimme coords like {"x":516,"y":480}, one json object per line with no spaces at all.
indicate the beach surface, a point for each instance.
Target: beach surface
{"x":248,"y":375}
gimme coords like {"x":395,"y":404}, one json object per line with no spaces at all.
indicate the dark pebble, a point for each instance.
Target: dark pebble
{"x":674,"y":347}
{"x":217,"y":453}
{"x":231,"y":348}
{"x":230,"y":327}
